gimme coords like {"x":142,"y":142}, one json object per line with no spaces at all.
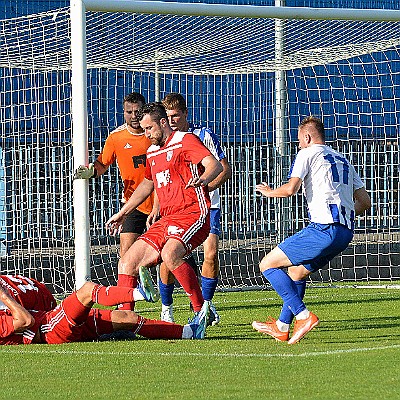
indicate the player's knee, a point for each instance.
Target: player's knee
{"x":126,"y":267}
{"x":84,"y":294}
{"x":267,"y":262}
{"x":298,"y":273}
{"x":124,"y":317}
{"x":169,"y":259}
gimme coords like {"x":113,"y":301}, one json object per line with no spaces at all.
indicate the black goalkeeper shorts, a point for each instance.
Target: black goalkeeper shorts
{"x":135,"y":223}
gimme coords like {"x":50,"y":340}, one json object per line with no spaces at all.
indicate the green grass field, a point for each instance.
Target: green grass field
{"x":353,"y":354}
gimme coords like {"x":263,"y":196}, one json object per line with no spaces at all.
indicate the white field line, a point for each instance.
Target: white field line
{"x":24,"y":350}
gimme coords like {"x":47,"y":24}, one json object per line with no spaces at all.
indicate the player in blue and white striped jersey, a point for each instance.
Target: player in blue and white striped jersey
{"x":335,"y":194}
{"x":177,"y":112}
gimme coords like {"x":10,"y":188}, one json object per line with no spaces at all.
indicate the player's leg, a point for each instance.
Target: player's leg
{"x":139,"y":254}
{"x":166,"y":286}
{"x":91,"y":293}
{"x":299,"y":276}
{"x":133,"y":227}
{"x":173,"y":254}
{"x":209,"y":273}
{"x":308,"y":249}
{"x":270,"y":267}
{"x":103,"y":322}
{"x":126,"y":241}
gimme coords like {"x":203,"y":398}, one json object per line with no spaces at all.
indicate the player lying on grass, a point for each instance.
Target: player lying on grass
{"x":30,"y":293}
{"x":335,"y":194}
{"x":74,"y":319}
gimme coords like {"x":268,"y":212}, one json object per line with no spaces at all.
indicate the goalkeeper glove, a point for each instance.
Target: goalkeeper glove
{"x":83,"y":172}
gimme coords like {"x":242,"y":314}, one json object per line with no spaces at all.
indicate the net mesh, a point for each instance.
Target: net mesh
{"x":346,"y":72}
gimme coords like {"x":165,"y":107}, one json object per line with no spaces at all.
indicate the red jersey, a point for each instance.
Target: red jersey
{"x":129,"y":150}
{"x":7,"y":335}
{"x":171,"y":166}
{"x":28,"y":292}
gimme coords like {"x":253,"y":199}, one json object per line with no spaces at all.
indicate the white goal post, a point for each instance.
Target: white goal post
{"x":251,"y":73}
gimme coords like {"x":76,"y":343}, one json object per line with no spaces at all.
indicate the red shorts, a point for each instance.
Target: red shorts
{"x":71,"y":321}
{"x":190,"y":229}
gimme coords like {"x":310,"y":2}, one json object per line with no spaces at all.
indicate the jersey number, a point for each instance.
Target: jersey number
{"x":334,"y":169}
{"x":25,"y":284}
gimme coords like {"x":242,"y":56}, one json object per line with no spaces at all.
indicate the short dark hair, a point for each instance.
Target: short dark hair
{"x":319,"y":126}
{"x":134,"y":97}
{"x":174,"y":101}
{"x":156,"y":111}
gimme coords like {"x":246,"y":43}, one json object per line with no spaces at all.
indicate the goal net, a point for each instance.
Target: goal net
{"x":252,"y":80}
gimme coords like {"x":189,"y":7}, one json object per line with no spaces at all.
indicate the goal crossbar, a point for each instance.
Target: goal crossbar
{"x":241,"y":11}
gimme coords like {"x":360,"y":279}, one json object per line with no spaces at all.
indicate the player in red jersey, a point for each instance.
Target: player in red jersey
{"x":179,"y":168}
{"x":30,"y":293}
{"x":74,"y":319}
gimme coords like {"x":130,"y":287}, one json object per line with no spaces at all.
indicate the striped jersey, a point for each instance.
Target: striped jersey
{"x":329,"y":182}
{"x":171,"y":166}
{"x":210,"y":140}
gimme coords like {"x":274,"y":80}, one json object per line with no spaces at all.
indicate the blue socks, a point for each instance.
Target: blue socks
{"x":166,"y":292}
{"x":208,"y":286}
{"x":286,"y":315}
{"x":286,"y":288}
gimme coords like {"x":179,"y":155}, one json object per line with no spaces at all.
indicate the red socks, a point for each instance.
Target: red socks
{"x":111,"y":295}
{"x":188,"y":280}
{"x":128,"y":281}
{"x":154,"y":329}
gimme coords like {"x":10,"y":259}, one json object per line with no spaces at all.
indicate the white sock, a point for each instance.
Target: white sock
{"x":137,"y":296}
{"x":187,"y":332}
{"x":282,"y":326}
{"x":303,"y":315}
{"x":165,"y":308}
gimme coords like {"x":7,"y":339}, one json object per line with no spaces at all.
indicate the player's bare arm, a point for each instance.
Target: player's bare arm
{"x":222,"y":177}
{"x":286,"y":190}
{"x":22,"y":318}
{"x":114,"y":224}
{"x":212,"y":169}
{"x":362,"y":201}
{"x":155,"y":212}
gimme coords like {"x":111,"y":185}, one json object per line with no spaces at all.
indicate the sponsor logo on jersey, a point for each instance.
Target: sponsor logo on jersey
{"x":174,"y":230}
{"x":127,"y":146}
{"x":163,"y":178}
{"x":170,"y":153}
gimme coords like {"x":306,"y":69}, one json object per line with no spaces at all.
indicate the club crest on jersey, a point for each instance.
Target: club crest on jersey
{"x":174,"y":230}
{"x":170,"y":153}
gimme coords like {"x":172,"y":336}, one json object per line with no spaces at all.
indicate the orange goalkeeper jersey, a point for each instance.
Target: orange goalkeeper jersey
{"x":129,"y":150}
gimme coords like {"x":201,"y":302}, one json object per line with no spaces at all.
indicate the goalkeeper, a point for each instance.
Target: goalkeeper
{"x":127,"y":145}
{"x":335,"y":194}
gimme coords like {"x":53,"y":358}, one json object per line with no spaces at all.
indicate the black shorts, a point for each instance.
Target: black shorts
{"x":135,"y":223}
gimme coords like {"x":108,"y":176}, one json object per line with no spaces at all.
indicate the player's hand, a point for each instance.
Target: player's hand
{"x":114,"y":224}
{"x":152,"y":217}
{"x":263,"y":188}
{"x":85,"y":172}
{"x":196,"y":182}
